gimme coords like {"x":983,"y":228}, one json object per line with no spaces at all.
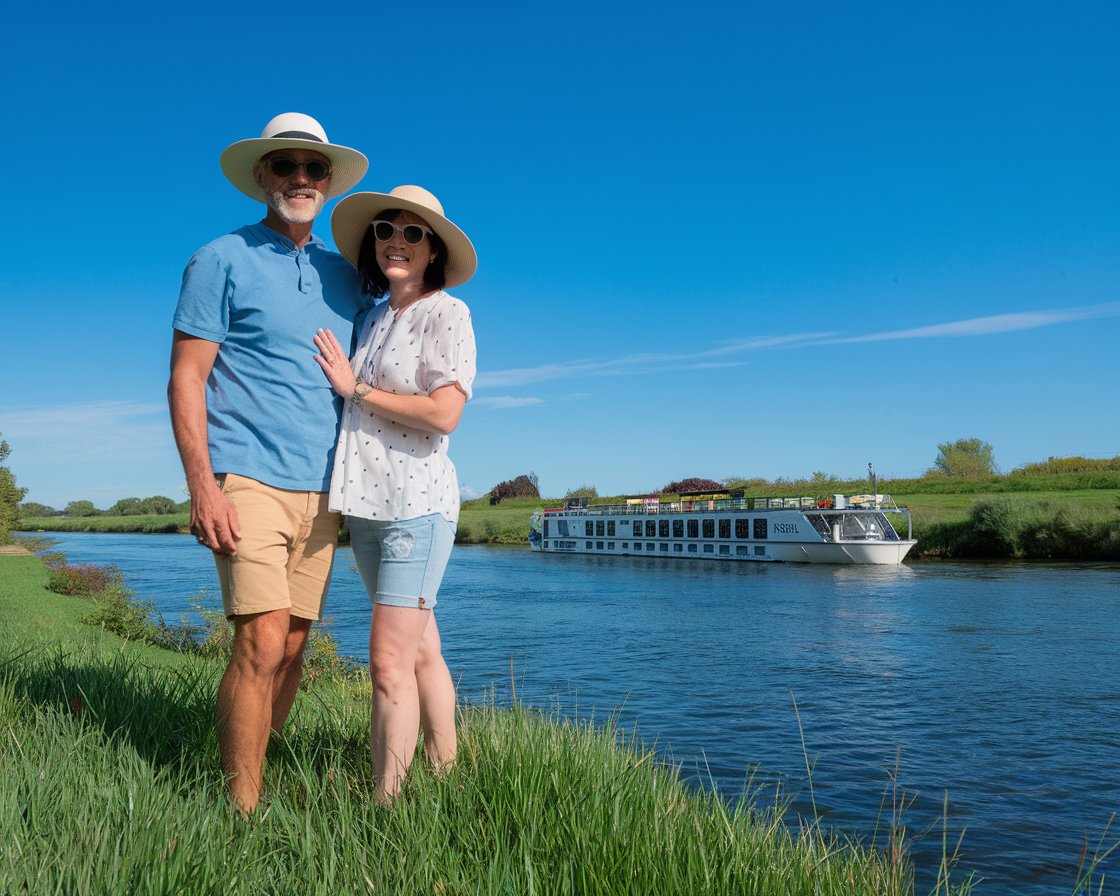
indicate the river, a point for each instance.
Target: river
{"x":986,"y":688}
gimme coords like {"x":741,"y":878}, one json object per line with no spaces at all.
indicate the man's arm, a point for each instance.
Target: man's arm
{"x":213,"y":518}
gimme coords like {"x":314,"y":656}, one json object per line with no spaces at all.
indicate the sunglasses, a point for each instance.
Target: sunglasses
{"x":282,"y":166}
{"x":412,"y":233}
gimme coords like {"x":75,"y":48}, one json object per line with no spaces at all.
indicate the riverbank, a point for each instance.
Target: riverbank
{"x":114,"y":787}
{"x":1078,"y":524}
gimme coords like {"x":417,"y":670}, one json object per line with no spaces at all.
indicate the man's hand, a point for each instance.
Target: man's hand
{"x":214,"y":521}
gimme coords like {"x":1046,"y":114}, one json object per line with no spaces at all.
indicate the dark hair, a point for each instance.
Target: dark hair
{"x":374,"y":281}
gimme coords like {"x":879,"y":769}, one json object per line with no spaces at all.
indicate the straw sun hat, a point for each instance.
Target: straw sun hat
{"x":352,"y":216}
{"x":292,"y":130}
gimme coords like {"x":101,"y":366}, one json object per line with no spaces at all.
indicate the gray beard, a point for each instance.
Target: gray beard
{"x":279,"y":204}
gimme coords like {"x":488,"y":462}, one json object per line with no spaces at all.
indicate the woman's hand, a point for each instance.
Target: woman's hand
{"x":335,"y":364}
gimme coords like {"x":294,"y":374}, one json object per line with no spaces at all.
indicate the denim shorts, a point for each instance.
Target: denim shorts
{"x":402,"y":562}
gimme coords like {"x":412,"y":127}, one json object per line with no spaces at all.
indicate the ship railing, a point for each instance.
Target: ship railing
{"x":646,"y":507}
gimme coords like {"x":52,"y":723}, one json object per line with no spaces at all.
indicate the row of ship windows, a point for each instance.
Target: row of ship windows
{"x":741,"y":550}
{"x":705,"y":528}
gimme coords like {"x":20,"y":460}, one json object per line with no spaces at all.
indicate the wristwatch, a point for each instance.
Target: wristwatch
{"x":361,"y":390}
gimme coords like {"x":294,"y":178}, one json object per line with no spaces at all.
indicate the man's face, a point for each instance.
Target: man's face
{"x":296,"y":197}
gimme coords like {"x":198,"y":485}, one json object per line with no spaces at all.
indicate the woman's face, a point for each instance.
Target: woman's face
{"x":403,"y":263}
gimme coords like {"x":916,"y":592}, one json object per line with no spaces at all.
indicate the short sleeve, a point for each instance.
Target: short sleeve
{"x":203,"y":308}
{"x":448,"y":352}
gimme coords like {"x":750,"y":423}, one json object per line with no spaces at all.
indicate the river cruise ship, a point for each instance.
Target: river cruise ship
{"x":729,"y":526}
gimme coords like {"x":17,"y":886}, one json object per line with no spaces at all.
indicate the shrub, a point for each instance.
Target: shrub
{"x":693,"y":484}
{"x":521,"y":487}
{"x":83,"y":580}
{"x":114,"y":610}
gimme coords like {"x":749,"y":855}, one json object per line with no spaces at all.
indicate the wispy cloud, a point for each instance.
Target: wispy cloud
{"x":988,"y":326}
{"x":645,"y":362}
{"x":500,"y":402}
{"x":88,"y":431}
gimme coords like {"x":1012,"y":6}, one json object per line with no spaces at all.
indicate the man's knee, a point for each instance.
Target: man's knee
{"x":261,"y":642}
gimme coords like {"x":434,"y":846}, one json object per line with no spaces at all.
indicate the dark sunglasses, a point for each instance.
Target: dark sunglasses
{"x":412,"y":233}
{"x":282,"y":166}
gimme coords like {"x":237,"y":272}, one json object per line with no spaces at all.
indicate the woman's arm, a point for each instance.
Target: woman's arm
{"x":439,"y":412}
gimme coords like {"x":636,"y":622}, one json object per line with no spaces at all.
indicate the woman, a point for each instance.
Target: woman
{"x":406,"y":387}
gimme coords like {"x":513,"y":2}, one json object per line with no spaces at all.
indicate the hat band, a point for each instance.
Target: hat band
{"x":296,"y":135}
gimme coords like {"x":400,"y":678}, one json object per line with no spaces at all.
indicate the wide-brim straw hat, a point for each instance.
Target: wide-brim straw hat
{"x":352,"y":216}
{"x":292,"y":130}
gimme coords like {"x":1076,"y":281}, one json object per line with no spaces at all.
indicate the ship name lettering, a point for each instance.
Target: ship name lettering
{"x":787,"y":528}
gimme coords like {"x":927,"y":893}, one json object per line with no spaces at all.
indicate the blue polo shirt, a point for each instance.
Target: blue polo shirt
{"x":271,"y":414}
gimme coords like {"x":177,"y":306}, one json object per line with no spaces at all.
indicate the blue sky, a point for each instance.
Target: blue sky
{"x":714,"y":239}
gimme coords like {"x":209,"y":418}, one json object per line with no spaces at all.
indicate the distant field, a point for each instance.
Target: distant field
{"x":927,"y":508}
{"x":1095,"y":510}
{"x":171,"y":522}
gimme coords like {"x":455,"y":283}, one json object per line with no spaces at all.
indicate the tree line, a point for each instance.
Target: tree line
{"x":157,"y":505}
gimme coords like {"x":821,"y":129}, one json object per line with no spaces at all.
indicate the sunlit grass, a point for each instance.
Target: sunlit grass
{"x":111,"y":785}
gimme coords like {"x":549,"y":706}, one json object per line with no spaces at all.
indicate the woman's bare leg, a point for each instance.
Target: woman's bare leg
{"x":394,"y":645}
{"x":437,"y":699}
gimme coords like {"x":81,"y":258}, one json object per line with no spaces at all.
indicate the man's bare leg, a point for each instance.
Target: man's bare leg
{"x":245,"y":701}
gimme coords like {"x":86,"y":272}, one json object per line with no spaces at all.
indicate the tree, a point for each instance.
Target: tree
{"x":10,"y":496}
{"x":34,"y":508}
{"x":81,"y":508}
{"x":125,"y":507}
{"x":521,"y":487}
{"x":964,"y":459}
{"x":694,"y":484}
{"x":157,"y":505}
{"x":582,"y":491}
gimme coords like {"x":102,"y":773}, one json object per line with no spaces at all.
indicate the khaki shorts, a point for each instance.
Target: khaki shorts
{"x":284,"y":557}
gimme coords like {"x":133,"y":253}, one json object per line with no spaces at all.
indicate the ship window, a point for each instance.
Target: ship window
{"x":589,"y":528}
{"x":742,"y":550}
{"x":610,"y":545}
{"x":588,"y":545}
{"x":742,"y":527}
{"x":692,"y":549}
{"x":725,"y":549}
{"x":760,"y":527}
{"x":610,"y":528}
{"x":650,"y":546}
{"x":600,"y":527}
{"x":625,"y":545}
{"x":693,"y":528}
{"x":677,"y":548}
{"x":725,"y":528}
{"x":759,"y":550}
{"x":637,"y":545}
{"x":709,"y":528}
{"x":664,"y":546}
{"x":678,"y":528}
{"x":651,"y":528}
{"x":598,"y":545}
{"x":709,"y":549}
{"x":662,"y":528}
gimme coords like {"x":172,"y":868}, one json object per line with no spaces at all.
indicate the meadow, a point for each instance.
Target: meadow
{"x":1040,"y":516}
{"x":112,"y":786}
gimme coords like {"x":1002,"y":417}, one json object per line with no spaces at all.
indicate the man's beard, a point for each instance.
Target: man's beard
{"x":278,"y":202}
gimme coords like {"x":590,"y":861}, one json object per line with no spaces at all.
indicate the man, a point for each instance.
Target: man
{"x":256,"y":422}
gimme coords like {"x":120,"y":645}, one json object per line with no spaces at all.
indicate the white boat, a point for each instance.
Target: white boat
{"x":728,"y":526}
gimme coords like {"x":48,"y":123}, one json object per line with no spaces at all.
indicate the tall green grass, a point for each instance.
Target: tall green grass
{"x":1023,"y":528}
{"x":111,"y":786}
